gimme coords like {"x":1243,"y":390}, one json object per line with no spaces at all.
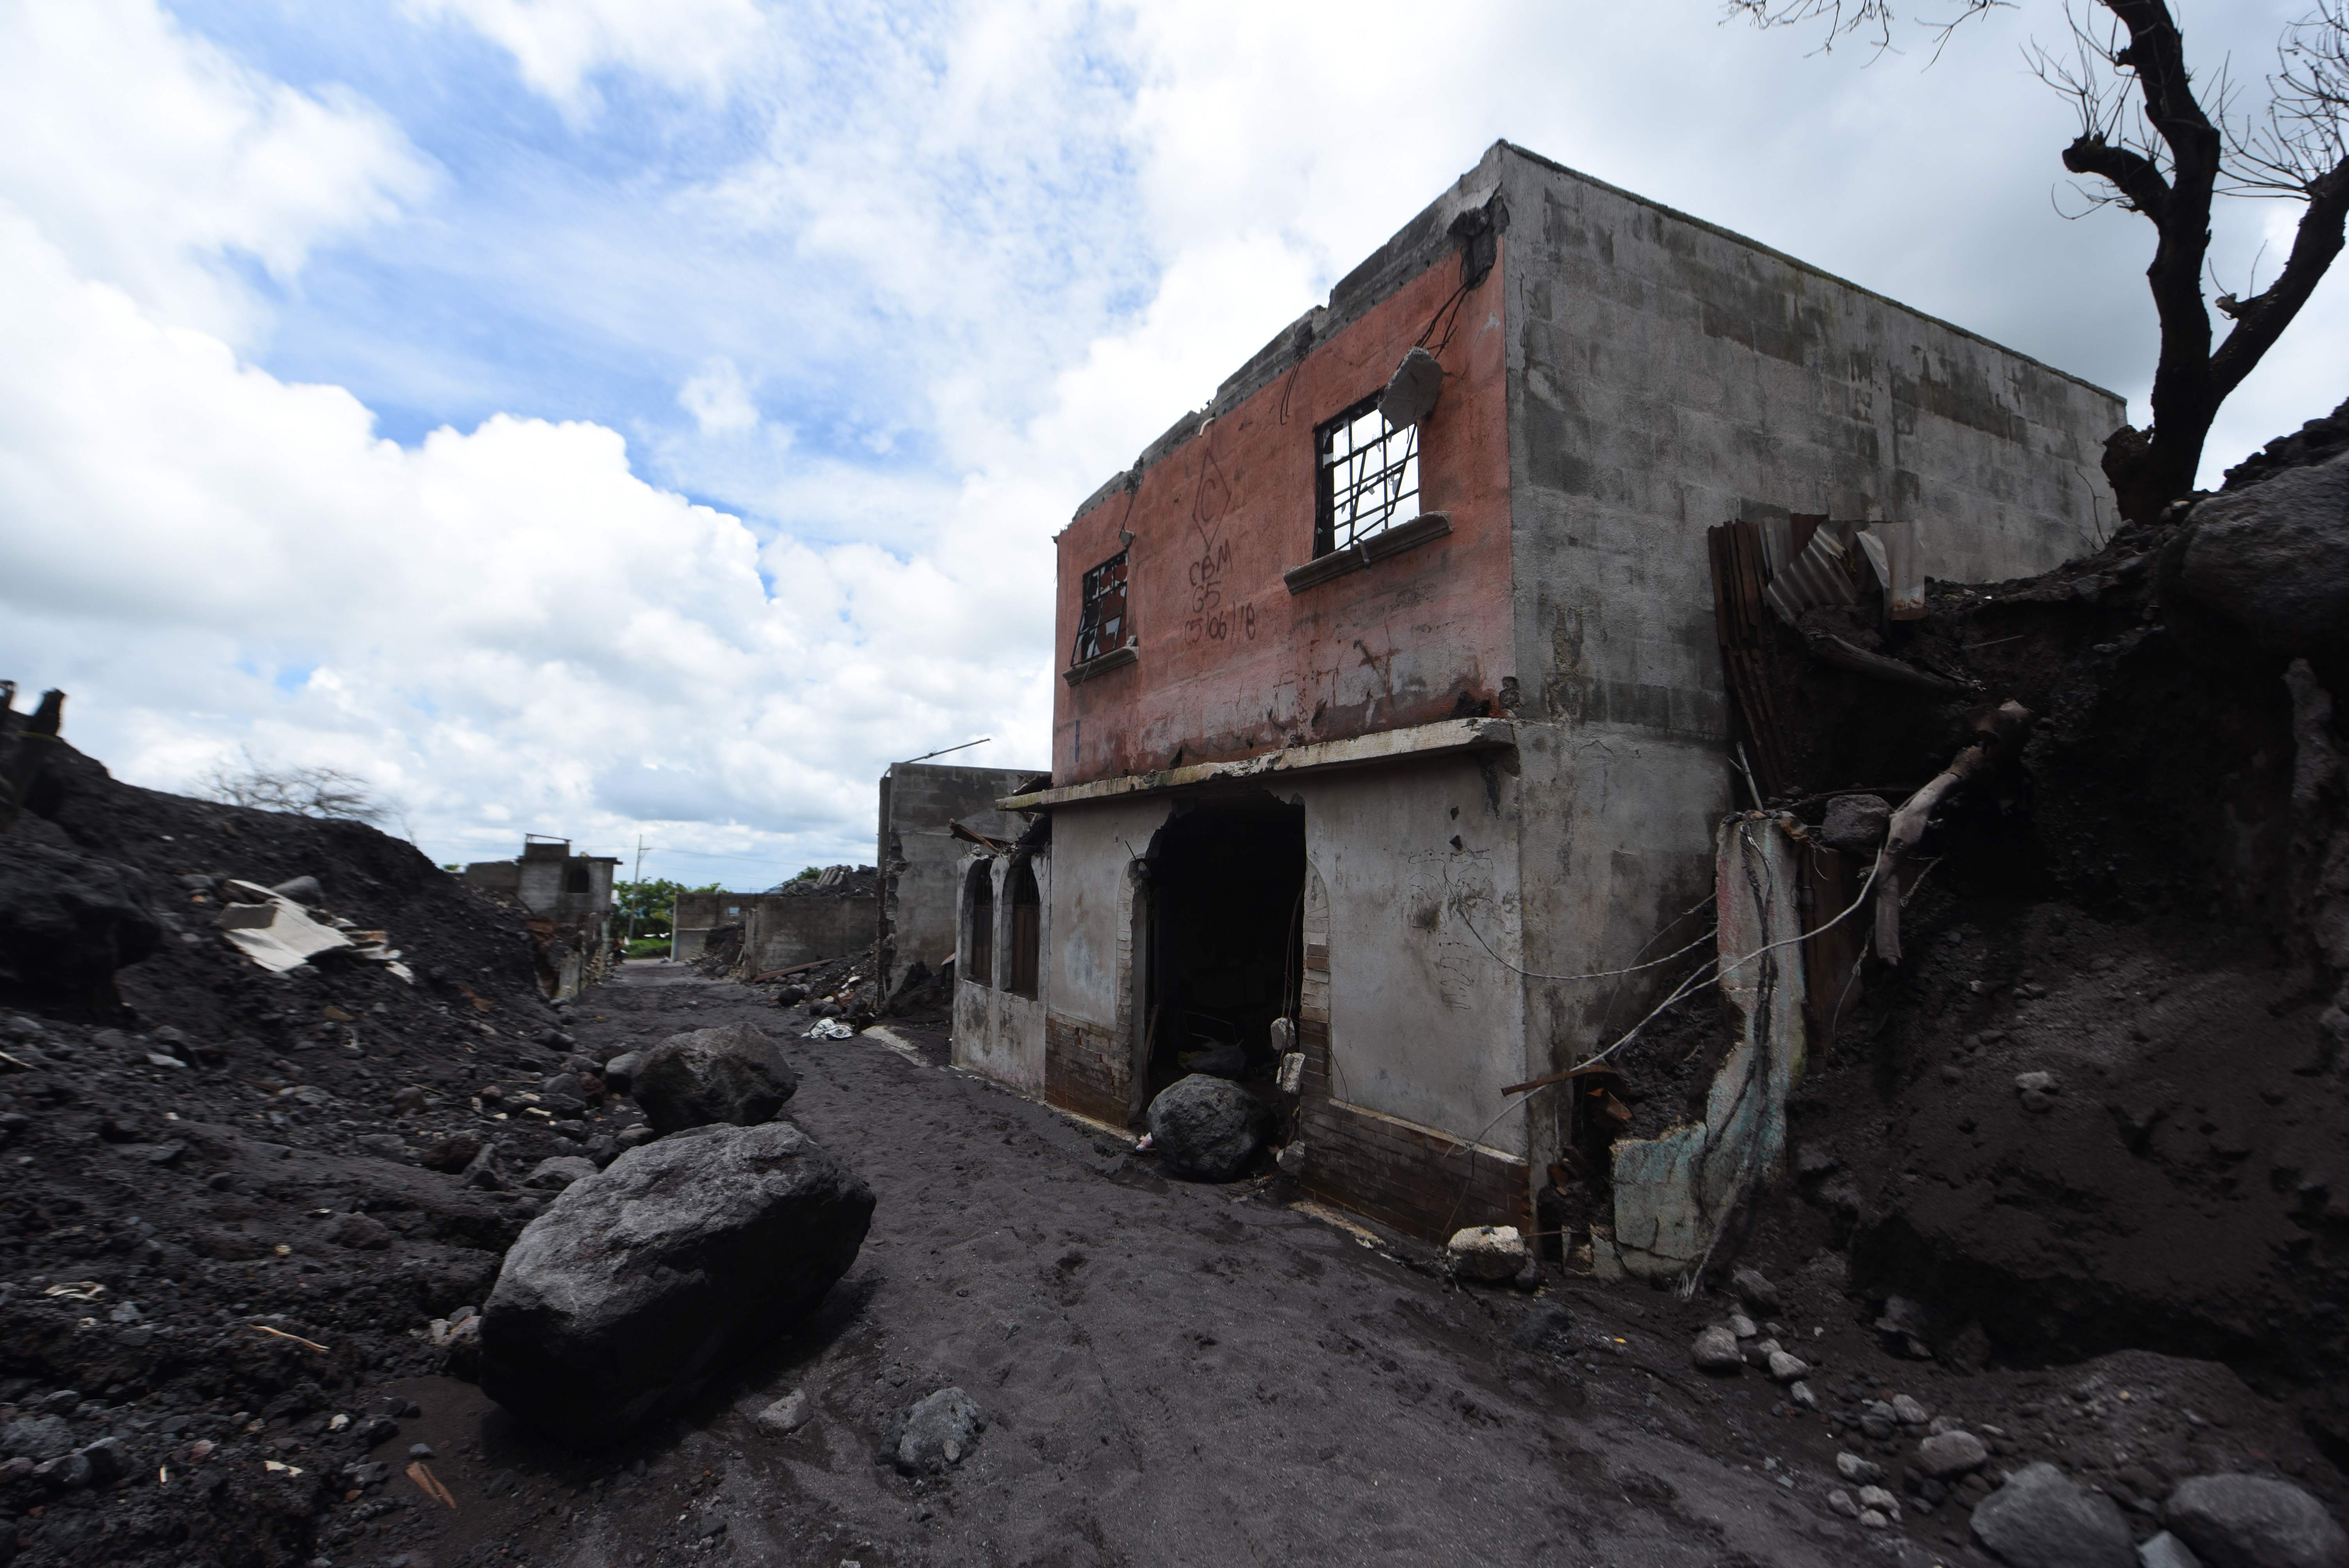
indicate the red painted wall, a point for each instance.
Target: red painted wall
{"x":1232,"y":665}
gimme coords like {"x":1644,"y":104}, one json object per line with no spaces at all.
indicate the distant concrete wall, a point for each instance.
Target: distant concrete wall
{"x":780,"y":930}
{"x":921,"y":861}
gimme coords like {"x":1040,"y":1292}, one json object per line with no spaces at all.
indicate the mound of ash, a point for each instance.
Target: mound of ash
{"x":239,"y":1203}
{"x":2103,"y":1102}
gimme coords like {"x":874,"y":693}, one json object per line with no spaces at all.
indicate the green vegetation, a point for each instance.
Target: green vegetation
{"x":649,"y":902}
{"x":649,"y":947}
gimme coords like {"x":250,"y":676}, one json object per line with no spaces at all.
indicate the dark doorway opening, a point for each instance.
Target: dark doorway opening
{"x":1226,"y":938}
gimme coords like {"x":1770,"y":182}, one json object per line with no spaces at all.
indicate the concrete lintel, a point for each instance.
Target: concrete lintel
{"x":1451,"y":735}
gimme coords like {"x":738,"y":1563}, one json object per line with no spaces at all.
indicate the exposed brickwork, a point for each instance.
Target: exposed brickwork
{"x":1421,"y":1184}
{"x":1084,"y":1071}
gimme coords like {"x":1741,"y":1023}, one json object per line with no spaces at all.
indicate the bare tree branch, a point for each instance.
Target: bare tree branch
{"x":327,"y":792}
{"x":2158,"y":143}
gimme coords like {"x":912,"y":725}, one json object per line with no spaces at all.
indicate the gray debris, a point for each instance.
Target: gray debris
{"x":1754,"y":1288}
{"x":2254,"y":1521}
{"x":2042,"y":1519}
{"x":786,"y":1415}
{"x":1858,"y":1470}
{"x":1208,"y":1128}
{"x":1487,"y":1253}
{"x":1855,"y":824}
{"x":634,"y":1288}
{"x":1949,"y":1455}
{"x":936,"y":1433}
{"x":35,"y":1438}
{"x":620,"y":1072}
{"x":559,"y":1171}
{"x":1785,"y":1369}
{"x":1909,"y":1412}
{"x":734,"y":1075}
{"x":2165,"y":1550}
{"x":2275,"y":555}
{"x":1716,"y":1350}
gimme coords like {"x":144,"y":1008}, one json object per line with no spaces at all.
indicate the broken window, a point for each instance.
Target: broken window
{"x":1026,"y":930}
{"x":979,"y":951}
{"x":1101,"y":627}
{"x":1369,"y":476}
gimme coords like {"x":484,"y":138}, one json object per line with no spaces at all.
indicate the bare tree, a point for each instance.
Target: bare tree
{"x":299,"y":790}
{"x":2156,"y":146}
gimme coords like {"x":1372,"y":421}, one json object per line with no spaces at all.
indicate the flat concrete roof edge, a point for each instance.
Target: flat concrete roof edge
{"x":1450,"y":735}
{"x":1530,"y":156}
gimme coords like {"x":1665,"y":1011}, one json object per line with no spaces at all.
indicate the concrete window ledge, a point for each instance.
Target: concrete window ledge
{"x":1115,"y":659}
{"x":1381,"y":745}
{"x":1403,"y":536}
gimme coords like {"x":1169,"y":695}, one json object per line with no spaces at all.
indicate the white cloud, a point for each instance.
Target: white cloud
{"x":559,"y":44}
{"x":719,"y":401}
{"x":964,"y":266}
{"x":156,"y":161}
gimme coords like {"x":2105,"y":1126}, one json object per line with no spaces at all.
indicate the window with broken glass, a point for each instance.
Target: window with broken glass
{"x":1101,"y":627}
{"x":1369,"y":477}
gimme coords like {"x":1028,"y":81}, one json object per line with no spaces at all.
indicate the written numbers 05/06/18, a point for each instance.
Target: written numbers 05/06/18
{"x":1219,"y":626}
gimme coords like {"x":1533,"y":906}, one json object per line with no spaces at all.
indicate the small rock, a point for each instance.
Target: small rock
{"x":1855,"y":824}
{"x":1754,"y":1289}
{"x":1909,"y":1412}
{"x":1947,"y":1454}
{"x":383,"y":1145}
{"x":786,"y":1415}
{"x":109,"y":1461}
{"x":1880,"y":1500}
{"x":1800,"y":1393}
{"x":634,"y":1137}
{"x":709,"y":1526}
{"x":421,"y":1451}
{"x":2165,"y":1550}
{"x":1742,"y":1326}
{"x":63,"y":1473}
{"x":36,"y":1438}
{"x":1840,"y":1501}
{"x":2042,"y":1519}
{"x":1873,"y":1519}
{"x":559,"y":1171}
{"x":360,"y":1233}
{"x":408,"y":1099}
{"x":936,"y":1432}
{"x":1487,"y":1253}
{"x":1716,"y":1350}
{"x":451,"y":1154}
{"x":1785,"y":1369}
{"x":1858,"y":1470}
{"x":1291,"y":1157}
{"x":2254,"y":1521}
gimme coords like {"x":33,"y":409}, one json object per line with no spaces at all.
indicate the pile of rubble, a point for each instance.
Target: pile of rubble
{"x":275,"y":1094}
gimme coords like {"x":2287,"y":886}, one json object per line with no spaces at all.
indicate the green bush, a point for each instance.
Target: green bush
{"x":648,"y":947}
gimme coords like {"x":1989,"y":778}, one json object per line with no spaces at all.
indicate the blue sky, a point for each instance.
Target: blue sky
{"x":603,"y":418}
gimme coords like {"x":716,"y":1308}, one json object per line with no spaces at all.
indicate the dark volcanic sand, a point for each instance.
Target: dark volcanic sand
{"x":1179,"y":1374}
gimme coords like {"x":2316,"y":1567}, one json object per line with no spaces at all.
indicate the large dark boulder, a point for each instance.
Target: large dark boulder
{"x":2255,"y":1521}
{"x":2275,"y":555}
{"x":2040,"y":1518}
{"x":735,"y":1074}
{"x":642,"y":1281}
{"x":1208,"y":1128}
{"x":68,"y":920}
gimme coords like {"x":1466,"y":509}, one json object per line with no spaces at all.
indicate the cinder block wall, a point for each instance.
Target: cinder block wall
{"x":921,"y":861}
{"x":780,"y":930}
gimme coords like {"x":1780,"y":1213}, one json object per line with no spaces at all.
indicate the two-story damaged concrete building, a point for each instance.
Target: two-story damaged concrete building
{"x":1391,"y":680}
{"x":568,"y":899}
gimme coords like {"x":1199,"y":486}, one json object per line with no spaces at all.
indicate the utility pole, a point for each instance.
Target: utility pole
{"x":637,"y":891}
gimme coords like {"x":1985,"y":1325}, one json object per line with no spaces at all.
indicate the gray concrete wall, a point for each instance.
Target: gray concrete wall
{"x":1666,"y":375}
{"x":996,"y":1034}
{"x":1418,"y":872}
{"x":921,"y":861}
{"x":780,"y":930}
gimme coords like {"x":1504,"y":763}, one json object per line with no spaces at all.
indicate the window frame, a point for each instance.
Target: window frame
{"x":1326,"y":467}
{"x":977,"y":962}
{"x":1027,"y":929}
{"x":1093,"y":592}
